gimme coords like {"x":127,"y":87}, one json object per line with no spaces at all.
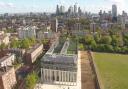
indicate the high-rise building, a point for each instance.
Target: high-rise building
{"x":79,"y":11}
{"x":57,"y":10}
{"x":62,"y":9}
{"x":114,"y":13}
{"x":75,"y":8}
{"x":123,"y":20}
{"x":54,"y":25}
{"x":70,"y":11}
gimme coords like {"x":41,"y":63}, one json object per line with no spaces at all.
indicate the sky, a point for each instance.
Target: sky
{"x":22,"y":6}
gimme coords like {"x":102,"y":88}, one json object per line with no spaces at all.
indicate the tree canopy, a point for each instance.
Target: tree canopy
{"x":31,"y":80}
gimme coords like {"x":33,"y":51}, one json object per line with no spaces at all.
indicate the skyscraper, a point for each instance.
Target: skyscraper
{"x":79,"y":11}
{"x":62,"y":9}
{"x":75,"y":8}
{"x":114,"y":13}
{"x":57,"y":10}
{"x":70,"y":10}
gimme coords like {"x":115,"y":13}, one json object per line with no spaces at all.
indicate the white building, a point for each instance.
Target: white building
{"x":27,"y":32}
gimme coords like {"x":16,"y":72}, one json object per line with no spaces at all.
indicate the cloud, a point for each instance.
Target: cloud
{"x":6,"y":5}
{"x":117,"y":1}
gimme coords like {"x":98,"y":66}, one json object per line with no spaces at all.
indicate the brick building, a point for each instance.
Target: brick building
{"x":7,"y":78}
{"x":32,"y":54}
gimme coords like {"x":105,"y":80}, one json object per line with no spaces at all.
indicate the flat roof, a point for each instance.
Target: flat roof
{"x":4,"y":58}
{"x":3,"y":71}
{"x":58,"y":58}
{"x":33,"y":48}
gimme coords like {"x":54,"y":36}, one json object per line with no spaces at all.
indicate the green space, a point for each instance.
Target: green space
{"x":60,"y":45}
{"x":24,"y":43}
{"x":72,"y":49}
{"x":113,"y":70}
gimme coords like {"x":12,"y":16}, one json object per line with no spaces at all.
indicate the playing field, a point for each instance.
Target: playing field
{"x":113,"y":70}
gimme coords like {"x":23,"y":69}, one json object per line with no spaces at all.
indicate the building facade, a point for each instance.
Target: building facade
{"x":27,"y":32}
{"x":114,"y":13}
{"x":7,"y":60}
{"x":4,"y":38}
{"x":32,"y":54}
{"x":7,"y":78}
{"x":61,"y":68}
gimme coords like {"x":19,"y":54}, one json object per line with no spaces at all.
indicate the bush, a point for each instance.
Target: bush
{"x":31,"y":80}
{"x":81,"y":47}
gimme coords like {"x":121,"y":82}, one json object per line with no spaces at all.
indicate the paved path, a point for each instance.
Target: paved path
{"x":86,"y":72}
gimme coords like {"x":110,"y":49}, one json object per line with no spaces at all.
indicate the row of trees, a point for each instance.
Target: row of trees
{"x":107,"y":43}
{"x":25,"y":43}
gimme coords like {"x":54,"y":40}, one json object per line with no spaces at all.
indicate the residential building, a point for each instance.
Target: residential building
{"x":32,"y":54}
{"x":17,"y":51}
{"x":7,"y":77}
{"x":93,"y":27}
{"x":7,"y":60}
{"x":4,"y":38}
{"x":27,"y":32}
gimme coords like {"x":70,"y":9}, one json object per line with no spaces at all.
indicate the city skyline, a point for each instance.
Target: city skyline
{"x":16,"y":6}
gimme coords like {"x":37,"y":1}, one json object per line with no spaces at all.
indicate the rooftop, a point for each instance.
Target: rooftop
{"x":5,"y":57}
{"x":60,"y":59}
{"x":4,"y":70}
{"x":33,"y":48}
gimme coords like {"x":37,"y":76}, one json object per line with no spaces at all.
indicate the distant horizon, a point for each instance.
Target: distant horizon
{"x":27,"y":6}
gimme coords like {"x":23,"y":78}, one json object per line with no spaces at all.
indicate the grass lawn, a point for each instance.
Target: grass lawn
{"x":113,"y":70}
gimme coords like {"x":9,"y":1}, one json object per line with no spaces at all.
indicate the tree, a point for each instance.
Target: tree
{"x":106,"y":40}
{"x":93,"y":45}
{"x":125,"y":38}
{"x":97,"y":38}
{"x":45,"y":41}
{"x":108,"y":48}
{"x":117,"y":49}
{"x":32,"y":40}
{"x":25,"y":43}
{"x":89,"y":39}
{"x":14,"y":44}
{"x":31,"y":80}
{"x":117,"y":40}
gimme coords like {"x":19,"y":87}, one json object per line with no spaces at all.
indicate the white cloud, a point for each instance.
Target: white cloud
{"x":6,"y":5}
